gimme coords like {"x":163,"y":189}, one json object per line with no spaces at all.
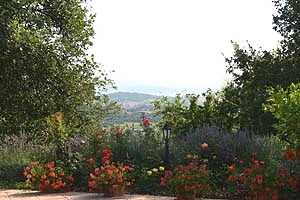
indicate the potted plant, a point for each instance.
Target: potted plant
{"x":47,"y":178}
{"x":187,"y":180}
{"x":110,"y":178}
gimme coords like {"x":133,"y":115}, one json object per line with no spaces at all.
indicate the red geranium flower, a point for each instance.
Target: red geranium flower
{"x":146,"y":122}
{"x":90,"y":160}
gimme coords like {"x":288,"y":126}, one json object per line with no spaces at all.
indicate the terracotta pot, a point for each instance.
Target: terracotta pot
{"x":182,"y":195}
{"x":109,"y":191}
{"x":267,"y":195}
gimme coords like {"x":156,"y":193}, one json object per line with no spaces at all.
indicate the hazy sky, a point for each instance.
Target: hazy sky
{"x":177,"y":43}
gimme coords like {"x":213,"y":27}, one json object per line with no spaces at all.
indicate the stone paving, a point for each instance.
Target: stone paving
{"x":34,"y":195}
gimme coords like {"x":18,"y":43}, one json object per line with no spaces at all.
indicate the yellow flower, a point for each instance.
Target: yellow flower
{"x":195,"y":156}
{"x":149,"y":173}
{"x":204,"y":145}
{"x":155,"y":170}
{"x":214,"y":157}
{"x":161,"y":168}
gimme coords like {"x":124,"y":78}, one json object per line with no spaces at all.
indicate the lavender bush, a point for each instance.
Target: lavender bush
{"x":16,"y":153}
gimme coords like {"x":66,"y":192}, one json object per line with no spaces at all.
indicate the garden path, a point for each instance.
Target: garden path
{"x":33,"y":195}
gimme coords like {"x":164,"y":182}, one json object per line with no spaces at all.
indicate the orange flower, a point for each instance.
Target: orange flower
{"x":231,"y":168}
{"x":58,"y":118}
{"x":99,"y":137}
{"x":204,"y":145}
{"x":188,"y":156}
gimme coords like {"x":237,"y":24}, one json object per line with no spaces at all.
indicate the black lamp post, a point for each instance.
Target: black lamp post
{"x":166,"y":134}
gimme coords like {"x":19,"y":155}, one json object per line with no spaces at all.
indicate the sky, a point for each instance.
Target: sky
{"x":177,"y":46}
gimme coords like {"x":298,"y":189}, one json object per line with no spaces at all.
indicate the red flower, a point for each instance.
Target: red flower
{"x":243,"y":178}
{"x":52,"y":174}
{"x":70,"y":178}
{"x":119,"y":133}
{"x":290,"y":154}
{"x":62,"y":173}
{"x":231,"y":178}
{"x":259,"y":179}
{"x":90,"y":160}
{"x":34,"y":163}
{"x":146,"y":122}
{"x":92,"y":184}
{"x":43,"y":177}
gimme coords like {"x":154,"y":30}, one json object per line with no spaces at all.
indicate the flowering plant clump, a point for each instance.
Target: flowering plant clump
{"x":187,"y":180}
{"x":109,"y":175}
{"x":154,"y":170}
{"x":47,"y":178}
{"x":257,"y":177}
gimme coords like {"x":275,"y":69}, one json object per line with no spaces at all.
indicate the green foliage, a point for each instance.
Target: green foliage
{"x":285,"y":106}
{"x":182,"y":113}
{"x":44,"y":65}
{"x":221,"y":108}
{"x":287,"y":23}
{"x":148,"y":181}
{"x":250,"y":69}
{"x":254,"y":71}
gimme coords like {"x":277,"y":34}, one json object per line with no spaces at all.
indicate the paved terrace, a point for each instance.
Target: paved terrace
{"x":33,"y":195}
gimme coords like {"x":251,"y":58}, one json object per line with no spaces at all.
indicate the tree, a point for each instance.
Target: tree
{"x":254,"y":71}
{"x":221,"y":108}
{"x":45,"y":67}
{"x":284,"y":105}
{"x":183,"y":113}
{"x":287,"y":23}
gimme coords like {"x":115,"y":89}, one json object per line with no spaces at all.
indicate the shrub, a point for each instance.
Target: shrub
{"x":16,"y":153}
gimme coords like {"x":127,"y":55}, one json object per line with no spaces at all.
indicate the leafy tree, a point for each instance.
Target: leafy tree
{"x":45,"y":67}
{"x":187,"y":112}
{"x":287,"y":23}
{"x":221,"y":108}
{"x":182,"y":113}
{"x":284,"y":105}
{"x":253,"y":72}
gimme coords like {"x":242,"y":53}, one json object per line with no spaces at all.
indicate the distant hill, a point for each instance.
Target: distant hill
{"x":132,"y":96}
{"x":133,"y":105}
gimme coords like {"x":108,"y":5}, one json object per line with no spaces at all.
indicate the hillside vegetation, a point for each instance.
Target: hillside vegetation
{"x":134,"y":106}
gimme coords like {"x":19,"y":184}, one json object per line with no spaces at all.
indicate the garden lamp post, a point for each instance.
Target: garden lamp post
{"x":166,"y":135}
